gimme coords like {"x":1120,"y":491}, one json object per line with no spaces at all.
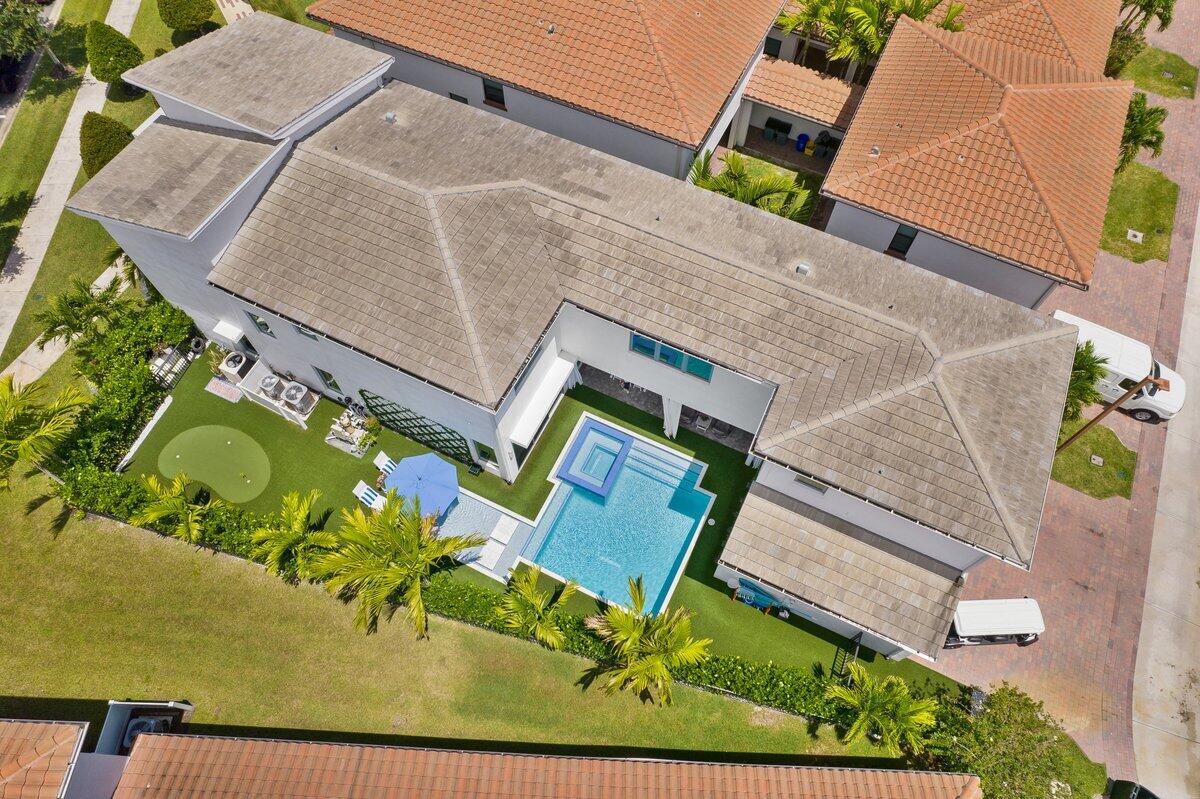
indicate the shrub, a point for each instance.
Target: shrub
{"x":1126,"y":44}
{"x":125,"y":401}
{"x":186,"y":15}
{"x":100,"y":139}
{"x":1018,"y":750}
{"x":156,"y":325}
{"x":88,"y":487}
{"x":278,"y":8}
{"x":110,"y":52}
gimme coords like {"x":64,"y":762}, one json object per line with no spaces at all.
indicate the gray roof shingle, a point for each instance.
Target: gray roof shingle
{"x":261,"y":72}
{"x":866,"y":579}
{"x":173,"y":177}
{"x":891,"y":380}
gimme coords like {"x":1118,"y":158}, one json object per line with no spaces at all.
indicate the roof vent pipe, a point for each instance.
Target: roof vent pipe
{"x":874,"y":152}
{"x":803,"y":269}
{"x":390,"y":117}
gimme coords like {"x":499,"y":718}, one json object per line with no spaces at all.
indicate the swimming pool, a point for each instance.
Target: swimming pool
{"x":623,"y":507}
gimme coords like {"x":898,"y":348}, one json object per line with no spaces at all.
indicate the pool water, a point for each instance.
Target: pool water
{"x":645,"y":525}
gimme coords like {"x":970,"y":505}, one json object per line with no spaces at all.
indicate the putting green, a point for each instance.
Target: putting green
{"x":228,"y":461}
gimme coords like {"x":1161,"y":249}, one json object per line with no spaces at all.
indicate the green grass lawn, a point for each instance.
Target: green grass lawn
{"x":1073,"y":467}
{"x":1142,"y":199}
{"x":102,"y":611}
{"x":301,"y":460}
{"x":81,"y":247}
{"x":1150,"y":69}
{"x":40,"y":118}
{"x":289,"y":9}
{"x":758,"y":166}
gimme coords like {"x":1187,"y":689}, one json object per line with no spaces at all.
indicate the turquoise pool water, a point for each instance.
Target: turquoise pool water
{"x":644,"y":526}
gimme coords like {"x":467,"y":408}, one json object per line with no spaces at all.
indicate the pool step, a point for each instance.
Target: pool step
{"x":667,"y":469}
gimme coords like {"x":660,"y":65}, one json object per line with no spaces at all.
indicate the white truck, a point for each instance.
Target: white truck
{"x":1129,"y":361}
{"x":996,"y":621}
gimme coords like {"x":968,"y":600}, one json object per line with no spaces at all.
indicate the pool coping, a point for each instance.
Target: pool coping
{"x":553,"y":478}
{"x":578,"y":440}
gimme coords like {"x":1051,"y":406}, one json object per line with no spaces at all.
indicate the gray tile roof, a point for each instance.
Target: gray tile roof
{"x":444,"y":242}
{"x":868,"y":580}
{"x":173,"y":177}
{"x":261,"y":72}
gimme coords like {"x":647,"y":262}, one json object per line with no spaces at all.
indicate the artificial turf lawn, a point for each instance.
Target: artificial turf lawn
{"x":1142,"y":199}
{"x":228,"y":461}
{"x":1073,"y":466}
{"x":1148,"y":70}
{"x":301,"y":460}
{"x":260,"y":657}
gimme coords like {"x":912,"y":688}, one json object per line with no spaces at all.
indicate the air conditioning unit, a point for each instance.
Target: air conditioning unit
{"x":295,"y":394}
{"x":271,"y":386}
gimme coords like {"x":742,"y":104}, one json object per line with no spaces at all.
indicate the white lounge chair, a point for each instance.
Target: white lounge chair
{"x":504,"y":529}
{"x":490,"y":554}
{"x":368,"y":496}
{"x":383,"y":463}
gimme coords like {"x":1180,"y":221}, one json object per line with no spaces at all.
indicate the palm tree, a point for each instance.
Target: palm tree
{"x":290,"y":542}
{"x":646,"y":647}
{"x":31,"y":428}
{"x":531,"y":613}
{"x":805,"y":22}
{"x":1138,"y":14}
{"x":1081,"y":391}
{"x":80,"y":312}
{"x":1143,"y":130}
{"x":171,"y":504}
{"x":883,"y":709}
{"x":786,"y":197}
{"x":386,"y":557}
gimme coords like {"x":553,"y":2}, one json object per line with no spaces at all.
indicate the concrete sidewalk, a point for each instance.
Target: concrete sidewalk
{"x":34,"y":239}
{"x":1166,"y":694}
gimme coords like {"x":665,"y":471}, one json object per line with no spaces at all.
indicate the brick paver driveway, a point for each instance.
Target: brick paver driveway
{"x":1089,"y":572}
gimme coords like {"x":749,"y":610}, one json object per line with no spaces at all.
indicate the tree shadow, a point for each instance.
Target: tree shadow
{"x":180,"y":38}
{"x":121,"y":92}
{"x":13,"y":209}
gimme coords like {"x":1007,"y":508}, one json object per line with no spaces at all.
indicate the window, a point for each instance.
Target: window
{"x":676,"y":359}
{"x":902,"y":241}
{"x":642,"y":345}
{"x":304,"y":331}
{"x":771,"y":47}
{"x":493,"y":94}
{"x":261,"y":324}
{"x":485,"y":452}
{"x":458,"y":98}
{"x":330,"y":382}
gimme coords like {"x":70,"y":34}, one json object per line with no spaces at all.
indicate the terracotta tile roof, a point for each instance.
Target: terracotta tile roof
{"x":173,"y":766}
{"x":477,"y":229}
{"x":665,"y":66}
{"x":1004,"y":151}
{"x":803,"y":91}
{"x":36,"y":757}
{"x":1078,"y":31}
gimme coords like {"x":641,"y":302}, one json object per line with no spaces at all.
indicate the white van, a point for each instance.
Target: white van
{"x":996,"y":621}
{"x":1129,"y":360}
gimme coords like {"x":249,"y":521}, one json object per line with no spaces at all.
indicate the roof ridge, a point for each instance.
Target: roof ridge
{"x":1034,"y":181}
{"x":981,"y":469}
{"x":870,"y":401}
{"x":1007,"y":344}
{"x":917,"y":149}
{"x":1057,"y":32}
{"x":661,"y":60}
{"x":943,"y":41}
{"x":15,"y":760}
{"x":460,"y":298}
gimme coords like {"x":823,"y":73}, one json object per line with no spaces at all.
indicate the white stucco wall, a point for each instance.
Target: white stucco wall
{"x":942,"y":256}
{"x":730,"y":397}
{"x":537,"y":112}
{"x":732,"y":106}
{"x":760,"y":113}
{"x":882,"y":522}
{"x":817,"y":616}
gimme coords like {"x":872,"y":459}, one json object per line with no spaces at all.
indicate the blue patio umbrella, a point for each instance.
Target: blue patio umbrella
{"x":428,"y":478}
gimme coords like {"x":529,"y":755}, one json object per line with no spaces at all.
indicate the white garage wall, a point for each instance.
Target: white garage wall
{"x":870,"y":517}
{"x":942,"y":256}
{"x":537,"y":112}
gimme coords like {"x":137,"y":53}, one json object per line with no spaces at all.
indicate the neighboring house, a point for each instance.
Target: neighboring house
{"x":979,"y":161}
{"x":442,"y":264}
{"x":35,"y":758}
{"x":38,"y":757}
{"x":652,"y":81}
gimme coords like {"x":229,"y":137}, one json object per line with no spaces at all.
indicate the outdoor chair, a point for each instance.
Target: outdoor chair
{"x":383,"y":463}
{"x":721,"y":429}
{"x":368,"y":496}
